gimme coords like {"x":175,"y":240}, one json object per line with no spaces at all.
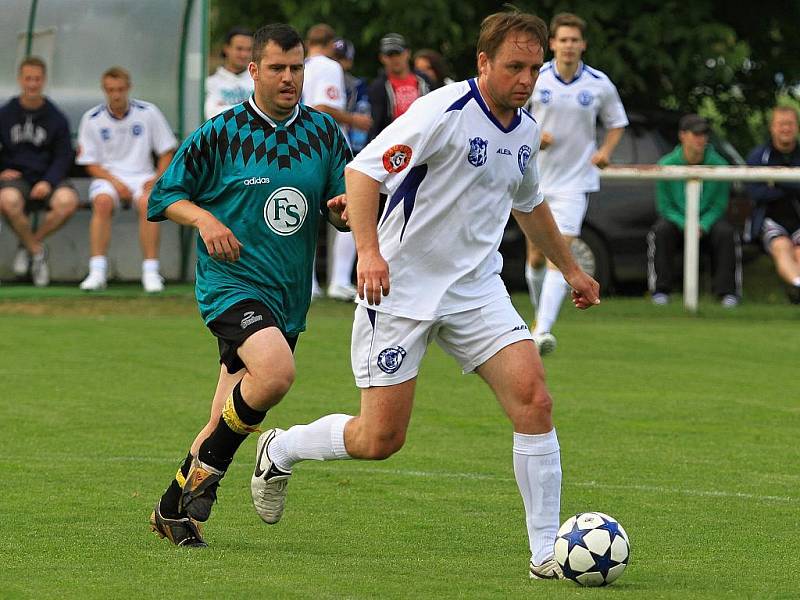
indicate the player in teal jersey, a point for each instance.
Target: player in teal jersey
{"x":254,"y":181}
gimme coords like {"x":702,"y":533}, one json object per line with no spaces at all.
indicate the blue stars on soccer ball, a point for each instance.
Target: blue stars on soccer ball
{"x":592,"y":549}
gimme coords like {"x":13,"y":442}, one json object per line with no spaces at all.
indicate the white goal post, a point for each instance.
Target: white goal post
{"x":694,"y":177}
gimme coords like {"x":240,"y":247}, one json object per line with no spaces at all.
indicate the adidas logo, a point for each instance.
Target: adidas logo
{"x":256,"y":180}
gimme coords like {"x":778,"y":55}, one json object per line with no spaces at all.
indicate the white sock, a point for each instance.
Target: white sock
{"x":554,"y":289}
{"x":98,"y":264}
{"x":344,"y":255}
{"x":796,"y":281}
{"x":537,"y":468}
{"x":150,"y":265}
{"x":321,"y":440}
{"x":314,"y":282}
{"x":534,"y":276}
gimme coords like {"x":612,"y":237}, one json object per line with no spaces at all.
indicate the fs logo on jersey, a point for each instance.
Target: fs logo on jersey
{"x":523,"y":156}
{"x":585,"y":98}
{"x":285,"y":210}
{"x":390,"y":359}
{"x":477,"y":151}
{"x":545,"y":96}
{"x":396,"y":158}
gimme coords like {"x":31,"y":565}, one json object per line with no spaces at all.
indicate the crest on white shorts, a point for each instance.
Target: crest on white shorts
{"x":390,"y":359}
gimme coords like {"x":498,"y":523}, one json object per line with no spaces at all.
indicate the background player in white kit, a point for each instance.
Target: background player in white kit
{"x":454,"y":166}
{"x":116,"y":141}
{"x":231,"y":83}
{"x":325,"y":91}
{"x":567,"y":100}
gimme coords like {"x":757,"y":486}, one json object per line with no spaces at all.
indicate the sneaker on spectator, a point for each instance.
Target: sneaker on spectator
{"x":660,"y":299}
{"x":94,"y":282}
{"x":40,"y":271}
{"x":152,"y":282}
{"x":729,"y":301}
{"x":21,"y":262}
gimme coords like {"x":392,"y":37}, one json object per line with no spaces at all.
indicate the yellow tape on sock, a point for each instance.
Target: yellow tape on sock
{"x":234,"y":422}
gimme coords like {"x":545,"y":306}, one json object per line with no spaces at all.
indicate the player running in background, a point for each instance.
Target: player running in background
{"x":454,"y":166}
{"x":568,"y":98}
{"x":254,"y":181}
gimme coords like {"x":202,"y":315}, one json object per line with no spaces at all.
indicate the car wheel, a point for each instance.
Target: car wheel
{"x":591,"y":254}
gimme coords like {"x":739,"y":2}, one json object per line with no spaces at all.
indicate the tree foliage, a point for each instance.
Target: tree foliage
{"x":710,"y":56}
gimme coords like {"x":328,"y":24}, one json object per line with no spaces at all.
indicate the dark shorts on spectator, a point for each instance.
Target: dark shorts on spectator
{"x":24,"y":188}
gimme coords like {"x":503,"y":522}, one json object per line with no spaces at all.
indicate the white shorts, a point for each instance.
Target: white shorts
{"x":387,"y":350}
{"x":102,"y":186}
{"x":568,"y":211}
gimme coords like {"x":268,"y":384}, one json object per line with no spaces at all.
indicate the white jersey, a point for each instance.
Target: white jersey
{"x":225,"y":89}
{"x":124,"y":146}
{"x":452,"y":173}
{"x":569,"y":112}
{"x":323,"y":84}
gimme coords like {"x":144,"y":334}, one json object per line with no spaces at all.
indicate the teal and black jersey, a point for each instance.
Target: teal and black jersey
{"x":269,"y":183}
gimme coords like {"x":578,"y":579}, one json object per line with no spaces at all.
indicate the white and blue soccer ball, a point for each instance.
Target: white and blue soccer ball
{"x":592,"y":549}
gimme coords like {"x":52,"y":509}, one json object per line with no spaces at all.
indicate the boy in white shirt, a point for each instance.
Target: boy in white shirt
{"x":231,"y":83}
{"x":568,"y":98}
{"x":116,"y":142}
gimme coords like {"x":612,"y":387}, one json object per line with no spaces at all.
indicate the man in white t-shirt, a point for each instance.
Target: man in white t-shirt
{"x":568,"y":98}
{"x":116,"y":141}
{"x":324,"y":89}
{"x":454,"y":166}
{"x":231,"y":83}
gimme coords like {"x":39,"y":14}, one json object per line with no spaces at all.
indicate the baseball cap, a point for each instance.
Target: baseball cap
{"x":344,"y":49}
{"x":391,"y":43}
{"x":694,"y":123}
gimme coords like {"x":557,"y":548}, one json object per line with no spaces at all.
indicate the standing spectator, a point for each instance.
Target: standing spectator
{"x":116,"y":142}
{"x":776,"y":217}
{"x":324,"y":89}
{"x":356,"y":91}
{"x":397,"y":86}
{"x":568,"y":99}
{"x":35,"y":156}
{"x":667,"y":233}
{"x":231,"y":83}
{"x":432,"y":64}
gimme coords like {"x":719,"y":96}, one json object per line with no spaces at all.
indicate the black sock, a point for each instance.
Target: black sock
{"x":171,"y":498}
{"x":219,"y":447}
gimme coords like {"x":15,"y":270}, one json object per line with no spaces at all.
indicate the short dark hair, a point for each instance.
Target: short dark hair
{"x":496,"y":27}
{"x":284,"y":35}
{"x":234,"y":31}
{"x":566,"y":19}
{"x":436,"y":60}
{"x":33,"y":61}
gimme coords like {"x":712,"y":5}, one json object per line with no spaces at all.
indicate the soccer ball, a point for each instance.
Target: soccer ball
{"x":592,"y":549}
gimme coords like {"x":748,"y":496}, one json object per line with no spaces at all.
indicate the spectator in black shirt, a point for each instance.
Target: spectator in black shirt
{"x":35,"y":156}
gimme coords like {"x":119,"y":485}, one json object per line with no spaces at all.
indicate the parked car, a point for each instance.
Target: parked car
{"x":613,"y":242}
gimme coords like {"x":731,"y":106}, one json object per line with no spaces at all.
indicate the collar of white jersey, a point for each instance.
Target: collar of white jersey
{"x":476,"y":93}
{"x":270,"y":120}
{"x":578,"y":73}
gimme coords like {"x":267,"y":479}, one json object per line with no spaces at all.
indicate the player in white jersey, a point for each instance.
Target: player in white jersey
{"x":231,"y":83}
{"x":567,"y":101}
{"x":324,"y":90}
{"x":116,"y":141}
{"x":454,"y":166}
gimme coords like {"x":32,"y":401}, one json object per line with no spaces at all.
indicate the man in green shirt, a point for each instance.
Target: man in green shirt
{"x":666,"y":237}
{"x":254,"y":181}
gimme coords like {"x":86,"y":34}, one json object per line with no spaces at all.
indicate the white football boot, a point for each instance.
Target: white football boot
{"x":545,"y":342}
{"x":268,"y":483}
{"x":549,"y":569}
{"x":152,"y":282}
{"x":94,"y":282}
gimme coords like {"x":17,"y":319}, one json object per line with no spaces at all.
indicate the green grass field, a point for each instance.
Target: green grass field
{"x":684,"y":428}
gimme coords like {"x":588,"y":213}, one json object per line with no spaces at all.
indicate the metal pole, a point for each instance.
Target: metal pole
{"x":691,"y":250}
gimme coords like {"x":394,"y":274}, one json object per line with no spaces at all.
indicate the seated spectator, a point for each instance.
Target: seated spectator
{"x":231,"y":83}
{"x":667,"y":233}
{"x":35,"y":156}
{"x":432,"y":64}
{"x":776,"y":216}
{"x":116,"y":142}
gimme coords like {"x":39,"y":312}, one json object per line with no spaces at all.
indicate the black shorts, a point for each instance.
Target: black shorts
{"x":24,"y":188}
{"x":238,"y":323}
